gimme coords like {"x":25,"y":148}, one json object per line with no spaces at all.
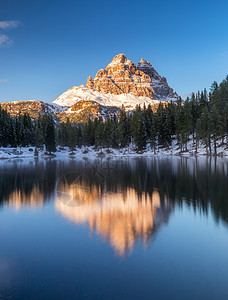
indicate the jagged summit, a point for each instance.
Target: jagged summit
{"x":144,"y":62}
{"x":161,"y":88}
{"x":121,"y":82}
{"x":122,"y":77}
{"x":119,"y":59}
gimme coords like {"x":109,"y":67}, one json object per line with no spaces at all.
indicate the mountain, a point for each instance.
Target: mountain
{"x":121,"y":82}
{"x":32,"y":107}
{"x":161,"y":88}
{"x":122,"y":77}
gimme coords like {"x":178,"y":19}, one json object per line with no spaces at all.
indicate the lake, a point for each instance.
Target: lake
{"x":143,"y":228}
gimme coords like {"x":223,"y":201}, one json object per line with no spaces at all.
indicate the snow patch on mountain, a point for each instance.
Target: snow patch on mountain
{"x":79,"y":93}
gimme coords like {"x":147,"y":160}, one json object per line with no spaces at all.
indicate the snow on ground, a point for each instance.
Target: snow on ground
{"x":91,"y":152}
{"x":55,"y":108}
{"x":79,"y":93}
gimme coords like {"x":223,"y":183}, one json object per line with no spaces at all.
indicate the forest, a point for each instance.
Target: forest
{"x":203,"y":117}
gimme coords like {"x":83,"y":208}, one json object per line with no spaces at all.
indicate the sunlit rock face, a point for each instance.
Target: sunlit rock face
{"x":161,"y":88}
{"x":33,"y":108}
{"x":122,"y":217}
{"x":19,"y":199}
{"x":121,"y":76}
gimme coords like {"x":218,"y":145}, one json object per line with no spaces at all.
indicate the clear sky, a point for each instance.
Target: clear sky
{"x":48,"y":46}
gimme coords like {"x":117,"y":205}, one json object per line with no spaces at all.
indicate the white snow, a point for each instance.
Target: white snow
{"x":76,"y":94}
{"x":91,"y":152}
{"x":55,"y":108}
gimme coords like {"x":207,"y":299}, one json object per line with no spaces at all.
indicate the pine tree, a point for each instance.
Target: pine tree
{"x":114,"y":133}
{"x":164,"y":134}
{"x":79,"y":136}
{"x":141,"y":136}
{"x":50,"y":139}
{"x":12,"y":135}
{"x":153,"y":134}
{"x":99,"y":134}
{"x":72,"y":137}
{"x":39,"y":139}
{"x":124,"y":128}
{"x":204,"y":126}
{"x":89,"y":133}
{"x":108,"y":127}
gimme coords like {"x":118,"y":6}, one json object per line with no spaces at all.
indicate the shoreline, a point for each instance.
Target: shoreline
{"x":91,"y":152}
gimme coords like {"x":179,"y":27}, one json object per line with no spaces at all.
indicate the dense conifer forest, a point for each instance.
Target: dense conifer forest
{"x":203,"y":118}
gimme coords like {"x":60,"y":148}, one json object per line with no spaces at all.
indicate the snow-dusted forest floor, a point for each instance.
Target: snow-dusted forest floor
{"x":131,"y":151}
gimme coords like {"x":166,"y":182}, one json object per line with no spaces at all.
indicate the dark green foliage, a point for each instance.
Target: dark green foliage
{"x":183,"y":124}
{"x":140,"y":137}
{"x":164,"y":130}
{"x":153,"y":134}
{"x":50,"y":140}
{"x":114,"y":133}
{"x":124,"y":128}
{"x":16,"y":131}
{"x":100,"y":133}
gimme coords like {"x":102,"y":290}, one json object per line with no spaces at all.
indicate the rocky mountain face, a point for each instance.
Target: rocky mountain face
{"x":162,"y":90}
{"x":31,"y":107}
{"x":122,"y":77}
{"x":81,"y":111}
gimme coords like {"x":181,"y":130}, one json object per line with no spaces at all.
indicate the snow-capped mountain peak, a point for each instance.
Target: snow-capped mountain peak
{"x":121,"y":82}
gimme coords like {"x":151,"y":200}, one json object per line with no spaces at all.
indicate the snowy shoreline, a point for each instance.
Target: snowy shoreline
{"x":92,"y":152}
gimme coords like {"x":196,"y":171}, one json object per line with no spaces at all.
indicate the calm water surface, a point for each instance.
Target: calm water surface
{"x":114,"y":229}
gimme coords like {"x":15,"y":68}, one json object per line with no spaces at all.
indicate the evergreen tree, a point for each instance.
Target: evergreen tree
{"x":141,"y":135}
{"x":99,"y":134}
{"x":164,"y":132}
{"x":114,"y":133}
{"x":153,"y":134}
{"x":124,"y":128}
{"x":50,"y":139}
{"x":12,"y":135}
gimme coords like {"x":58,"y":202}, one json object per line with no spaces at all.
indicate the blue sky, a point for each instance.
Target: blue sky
{"x":48,"y":46}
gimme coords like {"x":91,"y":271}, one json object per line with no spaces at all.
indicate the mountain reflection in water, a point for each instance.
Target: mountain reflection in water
{"x":122,"y":200}
{"x":122,"y":217}
{"x":176,"y":207}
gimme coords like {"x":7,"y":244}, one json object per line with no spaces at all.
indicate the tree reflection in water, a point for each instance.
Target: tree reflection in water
{"x":122,"y":200}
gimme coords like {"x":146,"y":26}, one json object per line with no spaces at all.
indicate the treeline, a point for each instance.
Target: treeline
{"x":202,"y":118}
{"x":22,"y":131}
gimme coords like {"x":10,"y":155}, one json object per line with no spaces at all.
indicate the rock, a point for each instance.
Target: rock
{"x":162,"y":90}
{"x":33,"y":108}
{"x":122,"y":77}
{"x":72,"y":153}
